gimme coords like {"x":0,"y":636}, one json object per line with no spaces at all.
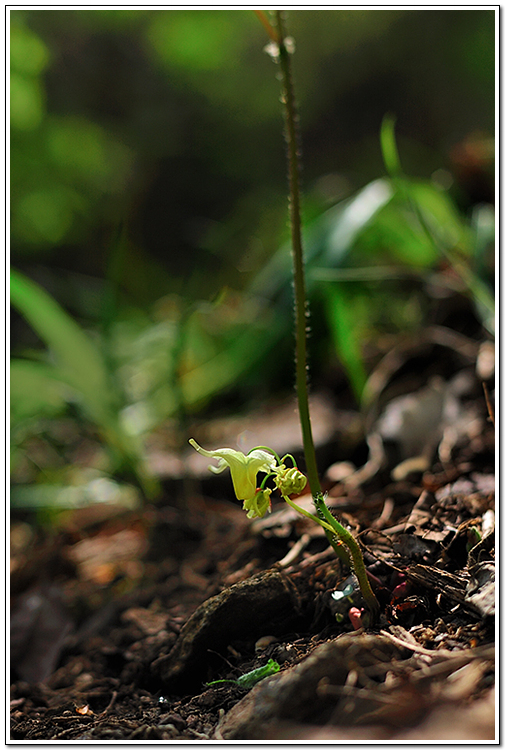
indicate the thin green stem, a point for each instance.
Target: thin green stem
{"x":333,"y":529}
{"x":347,"y":538}
{"x":267,"y":25}
{"x":337,"y":546}
{"x":301,"y":308}
{"x":308,"y":514}
{"x":288,"y":455}
{"x":267,"y":449}
{"x":331,"y":524}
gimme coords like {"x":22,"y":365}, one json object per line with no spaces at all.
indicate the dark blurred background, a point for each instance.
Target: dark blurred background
{"x":148,"y":181}
{"x":168,"y":124}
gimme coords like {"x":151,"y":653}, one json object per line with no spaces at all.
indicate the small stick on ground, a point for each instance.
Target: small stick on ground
{"x":488,"y":402}
{"x":110,"y":704}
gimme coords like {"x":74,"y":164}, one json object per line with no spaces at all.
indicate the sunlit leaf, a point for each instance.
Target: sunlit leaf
{"x":354,"y":216}
{"x":100,"y":489}
{"x":76,"y":356}
{"x":388,"y":146}
{"x":483,"y":225}
{"x":79,"y":363}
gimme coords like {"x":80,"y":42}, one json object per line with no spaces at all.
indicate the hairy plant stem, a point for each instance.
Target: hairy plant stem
{"x":333,"y":529}
{"x":347,"y":538}
{"x":329,"y":529}
{"x":301,"y":308}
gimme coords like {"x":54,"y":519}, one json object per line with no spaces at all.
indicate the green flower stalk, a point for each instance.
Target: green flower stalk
{"x":245,"y":468}
{"x":281,"y":49}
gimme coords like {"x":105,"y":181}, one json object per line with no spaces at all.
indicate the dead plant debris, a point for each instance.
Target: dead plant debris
{"x":116,"y":632}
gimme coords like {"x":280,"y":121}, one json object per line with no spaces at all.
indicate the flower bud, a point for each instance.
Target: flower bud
{"x":290,"y":481}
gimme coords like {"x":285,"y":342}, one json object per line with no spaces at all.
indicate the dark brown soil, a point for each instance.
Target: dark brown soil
{"x":119,"y":622}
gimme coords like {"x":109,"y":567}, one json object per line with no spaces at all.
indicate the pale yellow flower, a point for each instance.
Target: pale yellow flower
{"x":258,"y":505}
{"x":244,"y":468}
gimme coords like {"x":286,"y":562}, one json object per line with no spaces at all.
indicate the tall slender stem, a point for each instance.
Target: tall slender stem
{"x":333,"y":529}
{"x":301,"y":308}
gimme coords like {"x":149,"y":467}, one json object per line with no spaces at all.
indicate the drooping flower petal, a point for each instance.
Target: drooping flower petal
{"x":244,"y":468}
{"x":258,"y":505}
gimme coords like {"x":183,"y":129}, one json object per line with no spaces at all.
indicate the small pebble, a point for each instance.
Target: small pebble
{"x":264,"y":642}
{"x":174,"y":719}
{"x":485,"y":361}
{"x":487,"y":522}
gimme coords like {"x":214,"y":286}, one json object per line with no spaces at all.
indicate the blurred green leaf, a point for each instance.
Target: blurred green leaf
{"x":100,"y":489}
{"x":63,"y":176}
{"x":450,"y":236}
{"x":204,"y":41}
{"x":483,"y":227}
{"x":77,"y":359}
{"x":395,"y":236}
{"x":355,"y":214}
{"x":29,"y":57}
{"x":180,"y":362}
{"x":45,"y":215}
{"x":342,"y":319}
{"x":226,"y":366}
{"x":79,"y":364}
{"x":26,"y":102}
{"x":28,"y":53}
{"x":375,"y":227}
{"x":34,"y":391}
{"x":82,"y":149}
{"x":445,"y":222}
{"x":388,"y":146}
{"x":328,"y":240}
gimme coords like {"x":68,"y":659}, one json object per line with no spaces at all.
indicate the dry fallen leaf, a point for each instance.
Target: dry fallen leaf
{"x":84,"y":710}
